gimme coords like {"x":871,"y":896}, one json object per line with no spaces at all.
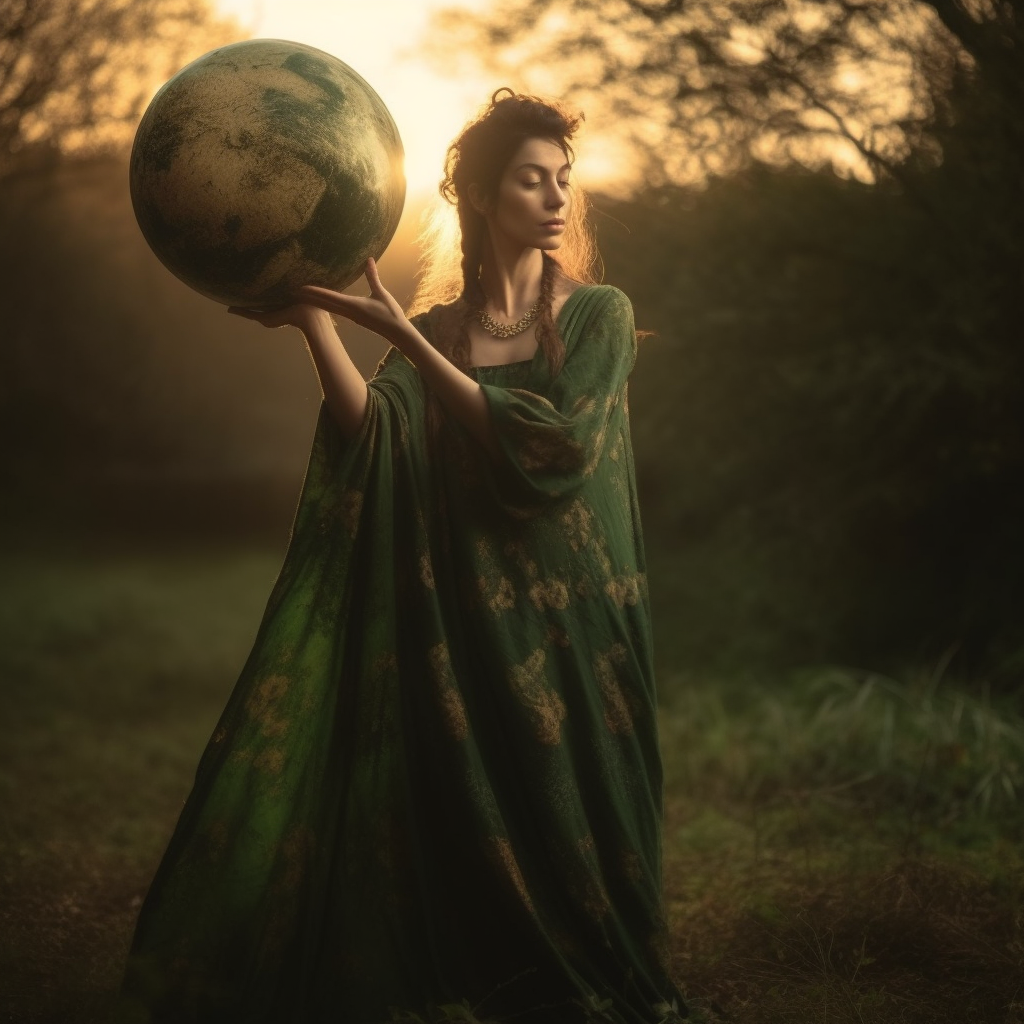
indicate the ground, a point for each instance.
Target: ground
{"x":839,"y":847}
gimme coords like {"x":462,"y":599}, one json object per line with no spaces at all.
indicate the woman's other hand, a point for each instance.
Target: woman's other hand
{"x":377,"y":312}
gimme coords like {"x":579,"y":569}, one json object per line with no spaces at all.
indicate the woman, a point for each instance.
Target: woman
{"x":435,"y":793}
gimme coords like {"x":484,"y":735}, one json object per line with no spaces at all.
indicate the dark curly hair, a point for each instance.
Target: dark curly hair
{"x":479,"y":157}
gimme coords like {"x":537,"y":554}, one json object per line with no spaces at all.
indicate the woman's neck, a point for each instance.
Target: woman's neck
{"x":511,"y":281}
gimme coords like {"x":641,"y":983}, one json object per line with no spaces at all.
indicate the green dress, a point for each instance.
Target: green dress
{"x":435,"y":793}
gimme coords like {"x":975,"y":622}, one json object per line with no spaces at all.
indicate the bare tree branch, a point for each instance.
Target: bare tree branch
{"x":727,"y":79}
{"x":76,"y":74}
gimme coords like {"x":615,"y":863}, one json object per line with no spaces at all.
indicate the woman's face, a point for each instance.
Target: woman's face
{"x":532,"y":202}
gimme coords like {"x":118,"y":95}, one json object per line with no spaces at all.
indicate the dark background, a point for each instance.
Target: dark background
{"x":827,"y":419}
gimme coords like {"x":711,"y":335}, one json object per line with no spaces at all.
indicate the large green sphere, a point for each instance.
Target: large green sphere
{"x":263,"y":166}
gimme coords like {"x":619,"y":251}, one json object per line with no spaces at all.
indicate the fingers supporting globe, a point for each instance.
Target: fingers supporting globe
{"x":326,"y":299}
{"x":264,"y":166}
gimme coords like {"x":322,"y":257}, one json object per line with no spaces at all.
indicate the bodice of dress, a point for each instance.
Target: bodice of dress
{"x":505,"y":375}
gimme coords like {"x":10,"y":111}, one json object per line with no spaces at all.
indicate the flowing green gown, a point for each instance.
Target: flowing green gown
{"x":437,"y":785}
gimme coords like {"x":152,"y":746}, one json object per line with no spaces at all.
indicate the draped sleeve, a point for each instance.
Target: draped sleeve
{"x":554,"y":430}
{"x":552,"y":442}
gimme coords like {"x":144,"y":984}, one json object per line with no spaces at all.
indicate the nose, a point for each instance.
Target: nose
{"x":555,"y":197}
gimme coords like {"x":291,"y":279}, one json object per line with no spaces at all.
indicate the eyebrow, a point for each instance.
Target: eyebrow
{"x":541,"y":168}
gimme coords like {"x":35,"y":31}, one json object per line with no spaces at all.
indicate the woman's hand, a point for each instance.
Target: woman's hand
{"x":300,"y":314}
{"x":377,"y":312}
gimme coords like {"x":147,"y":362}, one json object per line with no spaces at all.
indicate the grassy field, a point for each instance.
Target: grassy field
{"x":841,"y":848}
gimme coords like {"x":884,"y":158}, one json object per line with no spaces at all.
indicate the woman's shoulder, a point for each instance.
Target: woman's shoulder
{"x":596,"y":295}
{"x":610,"y":294}
{"x":587,"y":304}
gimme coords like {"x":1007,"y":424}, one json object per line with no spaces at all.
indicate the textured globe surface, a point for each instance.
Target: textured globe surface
{"x":263,"y":166}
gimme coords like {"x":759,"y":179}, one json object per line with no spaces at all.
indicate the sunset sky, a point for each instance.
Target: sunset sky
{"x":380,"y":40}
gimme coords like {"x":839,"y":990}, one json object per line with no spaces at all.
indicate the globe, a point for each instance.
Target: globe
{"x":263,"y":166}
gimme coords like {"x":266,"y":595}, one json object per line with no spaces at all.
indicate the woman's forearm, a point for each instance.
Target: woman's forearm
{"x":461,"y":396}
{"x":342,"y":384}
{"x":458,"y":393}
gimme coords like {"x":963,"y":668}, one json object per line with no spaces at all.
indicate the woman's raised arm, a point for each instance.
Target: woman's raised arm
{"x":379,"y":312}
{"x":341,"y":382}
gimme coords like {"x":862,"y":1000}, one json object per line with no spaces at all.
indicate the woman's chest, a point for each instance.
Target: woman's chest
{"x":486,"y":350}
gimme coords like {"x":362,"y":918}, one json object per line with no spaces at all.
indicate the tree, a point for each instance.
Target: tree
{"x":76,"y":74}
{"x":706,"y":86}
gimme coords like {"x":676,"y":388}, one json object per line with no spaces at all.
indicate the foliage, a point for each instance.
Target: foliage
{"x":829,"y":855}
{"x":823,"y":422}
{"x":710,"y":86}
{"x":76,"y":74}
{"x":942,"y":754}
{"x":704,"y":87}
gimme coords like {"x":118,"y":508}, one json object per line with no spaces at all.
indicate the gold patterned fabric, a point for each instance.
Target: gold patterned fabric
{"x":437,"y":781}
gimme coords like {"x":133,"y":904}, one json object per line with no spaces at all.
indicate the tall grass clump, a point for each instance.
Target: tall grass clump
{"x":924,"y":745}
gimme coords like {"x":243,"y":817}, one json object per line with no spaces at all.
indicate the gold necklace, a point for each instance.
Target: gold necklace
{"x":500,"y":330}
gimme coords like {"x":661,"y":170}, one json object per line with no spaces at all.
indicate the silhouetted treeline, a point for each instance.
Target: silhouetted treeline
{"x":829,"y":421}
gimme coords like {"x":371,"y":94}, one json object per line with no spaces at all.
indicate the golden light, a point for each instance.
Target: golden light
{"x":851,"y":79}
{"x":380,"y":40}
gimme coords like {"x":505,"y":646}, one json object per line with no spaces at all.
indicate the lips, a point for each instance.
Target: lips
{"x":556,"y":223}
